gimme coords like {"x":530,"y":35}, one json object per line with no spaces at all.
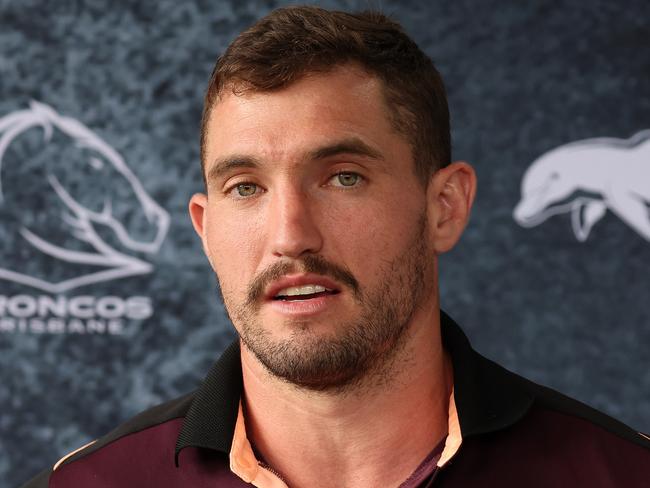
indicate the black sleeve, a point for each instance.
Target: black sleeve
{"x":41,"y":480}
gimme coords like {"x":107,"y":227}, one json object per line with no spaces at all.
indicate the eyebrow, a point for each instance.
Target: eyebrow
{"x":222,"y":166}
{"x":353,"y":145}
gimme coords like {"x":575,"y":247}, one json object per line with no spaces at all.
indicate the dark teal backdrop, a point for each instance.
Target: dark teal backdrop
{"x":107,"y":305}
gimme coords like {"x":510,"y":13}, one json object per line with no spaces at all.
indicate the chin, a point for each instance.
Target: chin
{"x":300,"y":354}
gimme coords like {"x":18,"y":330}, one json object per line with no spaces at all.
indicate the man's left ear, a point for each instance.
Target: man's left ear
{"x":450,"y":194}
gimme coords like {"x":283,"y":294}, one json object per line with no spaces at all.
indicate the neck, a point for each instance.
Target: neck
{"x":344,"y":438}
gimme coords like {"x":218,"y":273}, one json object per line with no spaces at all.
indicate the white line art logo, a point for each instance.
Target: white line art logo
{"x":84,"y":244}
{"x":586,"y":178}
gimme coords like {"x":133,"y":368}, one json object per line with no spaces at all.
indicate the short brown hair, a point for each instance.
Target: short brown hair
{"x":294,"y":41}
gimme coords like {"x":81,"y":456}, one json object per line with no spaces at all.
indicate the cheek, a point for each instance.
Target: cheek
{"x":375,"y":232}
{"x":233,"y":245}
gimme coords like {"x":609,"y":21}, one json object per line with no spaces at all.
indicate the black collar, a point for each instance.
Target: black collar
{"x":488,"y":397}
{"x":210,"y":420}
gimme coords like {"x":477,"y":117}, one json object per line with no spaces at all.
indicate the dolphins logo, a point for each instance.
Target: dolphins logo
{"x":586,"y":178}
{"x":93,"y":240}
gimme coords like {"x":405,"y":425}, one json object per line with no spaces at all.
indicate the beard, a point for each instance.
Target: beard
{"x":363,"y":348}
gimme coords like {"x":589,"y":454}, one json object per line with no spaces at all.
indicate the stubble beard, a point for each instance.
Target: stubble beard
{"x":364,"y":350}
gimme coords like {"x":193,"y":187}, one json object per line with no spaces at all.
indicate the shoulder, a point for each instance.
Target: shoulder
{"x":571,"y":441}
{"x":506,"y":419}
{"x":155,"y":427}
{"x":577,"y":416}
{"x":549,"y":440}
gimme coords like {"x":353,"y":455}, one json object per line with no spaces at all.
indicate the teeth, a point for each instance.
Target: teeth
{"x":293,"y":291}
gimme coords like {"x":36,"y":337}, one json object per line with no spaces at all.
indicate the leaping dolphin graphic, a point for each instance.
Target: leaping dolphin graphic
{"x":587,"y":178}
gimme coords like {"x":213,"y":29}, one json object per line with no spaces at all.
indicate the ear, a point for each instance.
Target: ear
{"x":197,"y":207}
{"x":450,"y":194}
{"x":198,"y":211}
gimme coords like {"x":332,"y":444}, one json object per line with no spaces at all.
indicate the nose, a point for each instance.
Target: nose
{"x":292,"y":228}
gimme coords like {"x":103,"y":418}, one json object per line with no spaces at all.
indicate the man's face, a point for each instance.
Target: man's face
{"x":316,"y":226}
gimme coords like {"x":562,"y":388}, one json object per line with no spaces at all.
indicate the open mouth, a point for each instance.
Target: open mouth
{"x":305,"y":292}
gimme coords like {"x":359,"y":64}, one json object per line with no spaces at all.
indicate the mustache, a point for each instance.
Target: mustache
{"x":308,"y":264}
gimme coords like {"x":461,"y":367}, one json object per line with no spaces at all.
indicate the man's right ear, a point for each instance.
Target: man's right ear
{"x":197,"y":208}
{"x":198,"y":214}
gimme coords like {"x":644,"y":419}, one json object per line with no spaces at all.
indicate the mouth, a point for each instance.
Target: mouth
{"x":305,"y":292}
{"x":300,"y":288}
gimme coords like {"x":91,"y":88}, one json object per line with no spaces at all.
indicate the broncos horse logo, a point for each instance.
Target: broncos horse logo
{"x":86,"y":213}
{"x":587,"y":178}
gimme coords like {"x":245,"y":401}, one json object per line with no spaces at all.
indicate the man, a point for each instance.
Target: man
{"x":330,"y":194}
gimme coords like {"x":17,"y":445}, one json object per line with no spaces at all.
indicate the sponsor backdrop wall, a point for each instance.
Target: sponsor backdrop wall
{"x":107,"y":305}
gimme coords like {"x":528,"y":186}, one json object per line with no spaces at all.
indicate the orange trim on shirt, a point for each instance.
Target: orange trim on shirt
{"x":454,"y":436}
{"x":70,"y":454}
{"x":243,"y":461}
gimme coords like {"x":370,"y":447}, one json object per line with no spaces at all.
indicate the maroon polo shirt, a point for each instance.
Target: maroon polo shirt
{"x":514,"y":433}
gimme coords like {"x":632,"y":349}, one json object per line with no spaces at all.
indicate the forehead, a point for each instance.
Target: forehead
{"x":344,"y":103}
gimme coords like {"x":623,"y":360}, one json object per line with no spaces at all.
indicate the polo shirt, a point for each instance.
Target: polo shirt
{"x":509,"y":432}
